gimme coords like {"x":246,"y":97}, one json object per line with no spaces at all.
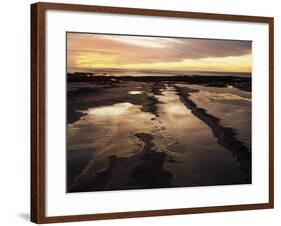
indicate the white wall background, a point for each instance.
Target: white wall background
{"x":15,"y":113}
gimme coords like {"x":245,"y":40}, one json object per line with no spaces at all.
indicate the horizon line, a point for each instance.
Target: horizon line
{"x":86,"y":70}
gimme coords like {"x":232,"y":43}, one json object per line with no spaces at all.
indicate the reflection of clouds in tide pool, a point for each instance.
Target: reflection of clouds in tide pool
{"x":116,"y":124}
{"x":105,"y":128}
{"x":196,"y":150}
{"x":135,"y":92}
{"x":223,"y":96}
{"x":219,"y":90}
{"x":192,"y":153}
{"x":231,"y":105}
{"x":110,"y":131}
{"x":115,"y":110}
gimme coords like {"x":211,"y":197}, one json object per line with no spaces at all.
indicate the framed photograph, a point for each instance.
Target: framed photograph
{"x":140,"y":112}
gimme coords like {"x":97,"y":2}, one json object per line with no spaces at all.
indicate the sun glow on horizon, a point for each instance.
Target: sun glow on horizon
{"x":152,"y":53}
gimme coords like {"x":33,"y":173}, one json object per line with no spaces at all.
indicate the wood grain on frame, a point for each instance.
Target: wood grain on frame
{"x":38,"y":193}
{"x":37,"y":113}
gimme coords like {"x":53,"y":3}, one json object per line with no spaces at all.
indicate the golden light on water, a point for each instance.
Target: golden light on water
{"x":115,"y":110}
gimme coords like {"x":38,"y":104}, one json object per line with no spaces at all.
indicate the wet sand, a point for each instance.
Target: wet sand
{"x":135,"y":135}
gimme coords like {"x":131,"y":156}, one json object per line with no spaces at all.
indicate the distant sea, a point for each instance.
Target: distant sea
{"x":142,"y":73}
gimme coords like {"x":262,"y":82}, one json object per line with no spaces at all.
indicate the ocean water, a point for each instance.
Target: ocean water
{"x":140,"y":73}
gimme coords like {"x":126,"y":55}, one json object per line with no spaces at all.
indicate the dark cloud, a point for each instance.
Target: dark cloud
{"x":203,"y":48}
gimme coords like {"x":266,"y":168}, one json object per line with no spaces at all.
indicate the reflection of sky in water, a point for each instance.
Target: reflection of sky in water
{"x":195,"y":156}
{"x":194,"y":148}
{"x":222,"y":96}
{"x":113,"y":111}
{"x":135,"y":92}
{"x":110,"y":130}
{"x":231,"y":105}
{"x":107,"y":126}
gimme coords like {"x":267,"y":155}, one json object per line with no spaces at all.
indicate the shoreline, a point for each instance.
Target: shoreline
{"x":242,"y":83}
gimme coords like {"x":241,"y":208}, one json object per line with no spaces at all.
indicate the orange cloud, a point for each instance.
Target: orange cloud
{"x":138,"y":52}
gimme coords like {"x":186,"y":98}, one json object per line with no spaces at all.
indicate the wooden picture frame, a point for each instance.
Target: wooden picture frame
{"x":38,"y":108}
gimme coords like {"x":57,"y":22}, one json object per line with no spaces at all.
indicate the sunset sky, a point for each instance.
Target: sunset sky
{"x":94,"y":51}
